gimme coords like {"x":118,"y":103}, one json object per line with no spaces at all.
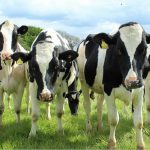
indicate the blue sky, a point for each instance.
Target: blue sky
{"x":77,"y":17}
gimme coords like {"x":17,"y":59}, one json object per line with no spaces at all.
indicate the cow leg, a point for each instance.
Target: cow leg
{"x":17,"y":102}
{"x":60,"y":111}
{"x":113,"y":118}
{"x":7,"y":97}
{"x":1,"y":106}
{"x":87,"y":106}
{"x":35,"y":109}
{"x":100,"y":100}
{"x":147,"y":99}
{"x":28,"y":99}
{"x":137,"y":118}
{"x":48,"y":111}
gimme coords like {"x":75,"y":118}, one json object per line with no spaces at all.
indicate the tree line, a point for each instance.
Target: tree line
{"x":27,"y":39}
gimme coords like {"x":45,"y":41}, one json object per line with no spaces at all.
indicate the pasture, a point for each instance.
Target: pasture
{"x":15,"y":136}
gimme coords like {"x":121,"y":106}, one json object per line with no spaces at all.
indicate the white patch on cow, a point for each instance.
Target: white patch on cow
{"x":132,"y":74}
{"x":73,"y":96}
{"x":72,"y":76}
{"x":148,"y":50}
{"x":43,"y":57}
{"x":98,"y":86}
{"x":81,"y":60}
{"x":132,"y":37}
{"x":7,"y":30}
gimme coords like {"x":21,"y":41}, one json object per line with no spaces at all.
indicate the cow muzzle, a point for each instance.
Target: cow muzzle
{"x":46,"y":96}
{"x":6,"y":55}
{"x":133,"y":83}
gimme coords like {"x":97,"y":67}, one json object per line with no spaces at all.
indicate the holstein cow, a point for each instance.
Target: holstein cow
{"x":48,"y":71}
{"x":114,"y":73}
{"x":12,"y":75}
{"x":146,"y":76}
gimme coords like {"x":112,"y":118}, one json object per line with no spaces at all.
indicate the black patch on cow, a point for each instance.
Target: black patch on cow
{"x":91,"y":53}
{"x":14,"y":38}
{"x":35,"y":73}
{"x":52,"y":73}
{"x":1,"y":41}
{"x":42,"y":38}
{"x":111,"y":74}
{"x":128,"y":24}
{"x":90,"y":47}
{"x":146,"y":67}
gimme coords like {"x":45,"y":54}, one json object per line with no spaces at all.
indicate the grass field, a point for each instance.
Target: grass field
{"x":15,"y":136}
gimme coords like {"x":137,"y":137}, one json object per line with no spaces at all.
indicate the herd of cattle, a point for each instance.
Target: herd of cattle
{"x":113,"y":66}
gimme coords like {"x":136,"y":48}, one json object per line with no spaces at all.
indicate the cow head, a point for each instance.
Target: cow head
{"x":73,"y":100}
{"x":8,"y":38}
{"x":130,"y":47}
{"x":45,"y":68}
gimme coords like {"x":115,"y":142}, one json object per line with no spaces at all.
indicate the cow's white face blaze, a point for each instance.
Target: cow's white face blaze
{"x":131,"y":37}
{"x":8,"y":38}
{"x":7,"y":32}
{"x":43,"y":58}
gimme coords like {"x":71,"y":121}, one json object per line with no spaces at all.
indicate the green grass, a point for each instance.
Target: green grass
{"x":15,"y":136}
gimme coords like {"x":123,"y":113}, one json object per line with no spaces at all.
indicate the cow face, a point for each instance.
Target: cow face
{"x":129,"y":45}
{"x":8,"y":38}
{"x":73,"y":100}
{"x":45,"y":68}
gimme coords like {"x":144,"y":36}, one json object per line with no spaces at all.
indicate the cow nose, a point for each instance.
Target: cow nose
{"x":46,"y":96}
{"x":6,"y":55}
{"x":132,"y":83}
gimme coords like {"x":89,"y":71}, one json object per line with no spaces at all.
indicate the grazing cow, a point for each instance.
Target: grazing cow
{"x":12,"y":75}
{"x":115,"y":73}
{"x":72,"y":95}
{"x":48,"y":61}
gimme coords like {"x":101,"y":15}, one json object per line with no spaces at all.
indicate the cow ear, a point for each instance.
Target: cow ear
{"x":148,"y":38}
{"x":22,"y":30}
{"x":68,"y":56}
{"x":104,"y":40}
{"x":21,"y":57}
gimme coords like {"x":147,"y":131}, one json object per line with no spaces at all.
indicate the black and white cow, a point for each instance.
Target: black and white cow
{"x":146,"y":76}
{"x":72,"y":81}
{"x":12,"y":75}
{"x":114,"y":73}
{"x":48,"y":61}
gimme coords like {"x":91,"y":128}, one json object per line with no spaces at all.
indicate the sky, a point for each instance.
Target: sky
{"x":76,"y":17}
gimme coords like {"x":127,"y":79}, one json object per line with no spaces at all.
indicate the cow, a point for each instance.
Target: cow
{"x":112,"y":65}
{"x":71,"y":94}
{"x":12,"y":75}
{"x":48,"y":72}
{"x":146,"y":76}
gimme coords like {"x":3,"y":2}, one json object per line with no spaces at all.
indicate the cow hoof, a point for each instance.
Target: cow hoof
{"x":60,"y":131}
{"x":141,"y":147}
{"x":111,"y":144}
{"x":49,"y":117}
{"x":89,"y":128}
{"x":31,"y":134}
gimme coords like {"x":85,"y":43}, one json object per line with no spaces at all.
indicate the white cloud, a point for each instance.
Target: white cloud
{"x":78,"y":17}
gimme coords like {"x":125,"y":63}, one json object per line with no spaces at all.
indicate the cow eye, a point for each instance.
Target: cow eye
{"x":56,"y":67}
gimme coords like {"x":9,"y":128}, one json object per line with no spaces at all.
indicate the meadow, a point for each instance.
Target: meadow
{"x":15,"y":136}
